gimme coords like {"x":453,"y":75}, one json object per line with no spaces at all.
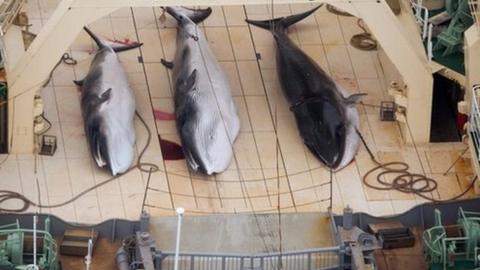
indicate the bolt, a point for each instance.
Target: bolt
{"x":144,"y":236}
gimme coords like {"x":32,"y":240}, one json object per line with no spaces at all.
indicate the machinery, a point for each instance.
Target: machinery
{"x":453,"y":246}
{"x":451,"y":38}
{"x":18,"y":247}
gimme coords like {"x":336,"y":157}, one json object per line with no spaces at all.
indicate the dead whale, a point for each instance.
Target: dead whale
{"x":325,"y":114}
{"x":108,"y":108}
{"x":206,"y":116}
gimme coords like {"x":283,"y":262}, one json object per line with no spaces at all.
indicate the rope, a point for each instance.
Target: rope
{"x":403,"y":180}
{"x":66,"y":59}
{"x":365,"y":40}
{"x":7,"y":195}
{"x":336,"y":11}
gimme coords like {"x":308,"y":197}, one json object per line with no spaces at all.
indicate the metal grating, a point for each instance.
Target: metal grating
{"x":316,"y":259}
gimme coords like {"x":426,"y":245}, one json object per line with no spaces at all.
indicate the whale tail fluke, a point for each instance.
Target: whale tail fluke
{"x":116,"y":46}
{"x":195,"y":15}
{"x":282,"y":23}
{"x":95,"y":38}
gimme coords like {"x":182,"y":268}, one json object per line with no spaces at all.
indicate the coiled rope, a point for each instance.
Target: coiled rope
{"x":363,"y":41}
{"x":403,"y":180}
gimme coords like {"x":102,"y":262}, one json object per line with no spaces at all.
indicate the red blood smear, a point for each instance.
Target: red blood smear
{"x":160,"y":115}
{"x":171,"y":150}
{"x":125,"y":41}
{"x":461,"y":120}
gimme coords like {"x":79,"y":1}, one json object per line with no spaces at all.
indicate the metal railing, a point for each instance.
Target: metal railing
{"x":421,"y":14}
{"x":474,"y":124}
{"x":315,"y":259}
{"x":8,"y":11}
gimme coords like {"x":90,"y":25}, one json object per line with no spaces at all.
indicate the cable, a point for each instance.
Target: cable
{"x":7,"y":195}
{"x":336,"y":11}
{"x":365,"y":40}
{"x":404,"y":181}
{"x":455,"y":162}
{"x":66,"y":59}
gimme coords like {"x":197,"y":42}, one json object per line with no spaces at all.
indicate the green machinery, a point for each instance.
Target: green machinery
{"x":451,"y":38}
{"x":454,"y":247}
{"x":16,"y":248}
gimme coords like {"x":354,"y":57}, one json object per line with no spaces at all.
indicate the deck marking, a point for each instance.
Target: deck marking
{"x":150,"y":95}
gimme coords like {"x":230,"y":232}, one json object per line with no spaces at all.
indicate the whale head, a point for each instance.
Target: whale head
{"x":206,"y":143}
{"x":322,"y":127}
{"x":210,"y":152}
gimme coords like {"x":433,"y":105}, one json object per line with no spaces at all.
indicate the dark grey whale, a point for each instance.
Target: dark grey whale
{"x":108,"y":108}
{"x":325,"y":114}
{"x":206,"y":116}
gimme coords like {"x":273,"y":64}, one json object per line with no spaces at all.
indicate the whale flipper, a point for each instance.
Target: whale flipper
{"x":78,"y":82}
{"x":167,"y":64}
{"x":187,"y":84}
{"x":354,"y":98}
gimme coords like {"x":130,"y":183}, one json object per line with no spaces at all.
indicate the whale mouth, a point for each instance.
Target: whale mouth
{"x":322,"y":128}
{"x":329,"y":157}
{"x":198,"y":164}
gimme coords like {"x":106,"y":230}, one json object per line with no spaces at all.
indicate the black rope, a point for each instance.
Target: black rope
{"x":363,"y":41}
{"x":8,"y":195}
{"x":336,"y":11}
{"x":403,"y":180}
{"x":66,"y":59}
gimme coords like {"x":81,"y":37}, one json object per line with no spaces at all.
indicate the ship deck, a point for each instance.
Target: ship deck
{"x":272,"y":169}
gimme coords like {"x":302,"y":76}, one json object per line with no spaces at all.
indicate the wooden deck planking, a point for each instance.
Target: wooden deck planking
{"x":261,"y":163}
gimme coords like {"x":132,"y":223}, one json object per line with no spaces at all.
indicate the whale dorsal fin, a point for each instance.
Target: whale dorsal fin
{"x":354,"y":98}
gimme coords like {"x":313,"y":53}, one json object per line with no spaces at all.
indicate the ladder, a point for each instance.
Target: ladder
{"x":452,"y":37}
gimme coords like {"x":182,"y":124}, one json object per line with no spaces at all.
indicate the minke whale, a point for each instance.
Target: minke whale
{"x":108,"y":108}
{"x":325,"y":114}
{"x":206,"y":116}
